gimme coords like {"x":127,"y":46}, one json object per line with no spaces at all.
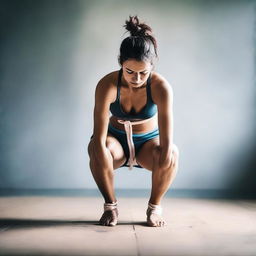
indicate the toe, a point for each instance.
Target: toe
{"x":151,"y":223}
{"x":103,"y":220}
{"x":107,"y":221}
{"x":112,"y":223}
{"x":109,"y":218}
{"x":155,"y":221}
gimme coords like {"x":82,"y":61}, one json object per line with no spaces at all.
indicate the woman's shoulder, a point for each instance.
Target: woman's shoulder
{"x":159,"y":80}
{"x":160,"y":86}
{"x":107,"y":85}
{"x":109,"y":80}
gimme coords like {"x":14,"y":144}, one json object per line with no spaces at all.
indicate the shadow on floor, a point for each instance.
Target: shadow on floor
{"x":34,"y":223}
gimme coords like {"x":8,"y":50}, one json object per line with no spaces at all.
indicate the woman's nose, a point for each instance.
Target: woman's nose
{"x":136,"y":78}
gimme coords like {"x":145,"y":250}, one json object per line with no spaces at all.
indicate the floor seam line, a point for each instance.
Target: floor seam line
{"x":137,"y":241}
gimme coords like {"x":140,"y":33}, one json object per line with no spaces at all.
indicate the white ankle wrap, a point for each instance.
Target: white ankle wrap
{"x":110,"y":206}
{"x":154,"y":208}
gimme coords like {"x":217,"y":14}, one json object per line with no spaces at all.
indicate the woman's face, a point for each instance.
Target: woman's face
{"x":136,"y":73}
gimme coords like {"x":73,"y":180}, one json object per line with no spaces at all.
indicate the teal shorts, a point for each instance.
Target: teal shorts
{"x":138,"y":140}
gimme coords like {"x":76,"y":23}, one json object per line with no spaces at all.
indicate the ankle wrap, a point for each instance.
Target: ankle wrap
{"x":110,"y":206}
{"x":154,"y":208}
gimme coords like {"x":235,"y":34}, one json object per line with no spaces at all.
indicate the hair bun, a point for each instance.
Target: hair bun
{"x":136,"y":28}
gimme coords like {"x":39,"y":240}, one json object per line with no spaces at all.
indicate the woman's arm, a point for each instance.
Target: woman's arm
{"x":101,"y":121}
{"x":164,"y":100}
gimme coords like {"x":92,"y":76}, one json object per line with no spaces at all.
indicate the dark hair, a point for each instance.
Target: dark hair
{"x":140,"y":45}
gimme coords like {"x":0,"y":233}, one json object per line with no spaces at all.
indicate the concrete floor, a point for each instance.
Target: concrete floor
{"x":38,"y":225}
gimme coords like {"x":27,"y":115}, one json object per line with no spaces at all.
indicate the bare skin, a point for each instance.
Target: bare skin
{"x":154,"y":220}
{"x":106,"y":153}
{"x":109,"y":218}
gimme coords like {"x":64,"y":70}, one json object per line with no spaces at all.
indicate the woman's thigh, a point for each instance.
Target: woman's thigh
{"x":145,"y":156}
{"x":115,"y":149}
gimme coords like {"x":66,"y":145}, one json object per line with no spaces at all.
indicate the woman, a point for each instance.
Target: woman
{"x":140,"y":131}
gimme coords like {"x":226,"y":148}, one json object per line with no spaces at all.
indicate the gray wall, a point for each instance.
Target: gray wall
{"x":54,"y":52}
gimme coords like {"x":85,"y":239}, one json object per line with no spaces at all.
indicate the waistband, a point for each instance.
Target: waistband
{"x":128,"y":130}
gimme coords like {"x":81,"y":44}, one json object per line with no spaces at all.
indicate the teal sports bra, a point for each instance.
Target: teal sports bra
{"x":147,"y":111}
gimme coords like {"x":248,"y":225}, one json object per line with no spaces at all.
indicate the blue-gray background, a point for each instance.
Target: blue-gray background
{"x":54,"y":52}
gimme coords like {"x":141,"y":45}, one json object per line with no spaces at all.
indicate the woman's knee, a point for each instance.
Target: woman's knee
{"x":175,"y":150}
{"x":115,"y":150}
{"x":90,"y":148}
{"x":171,"y":158}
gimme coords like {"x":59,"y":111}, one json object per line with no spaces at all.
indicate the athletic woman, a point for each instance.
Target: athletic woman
{"x":139,"y":132}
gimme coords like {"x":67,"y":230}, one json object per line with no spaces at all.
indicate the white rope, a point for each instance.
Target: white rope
{"x":110,"y":206}
{"x":154,"y":208}
{"x":128,"y":130}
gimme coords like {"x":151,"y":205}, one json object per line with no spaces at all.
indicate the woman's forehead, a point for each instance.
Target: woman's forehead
{"x":137,"y":66}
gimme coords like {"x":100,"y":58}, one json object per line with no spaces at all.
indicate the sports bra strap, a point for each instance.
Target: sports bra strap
{"x":119,"y":84}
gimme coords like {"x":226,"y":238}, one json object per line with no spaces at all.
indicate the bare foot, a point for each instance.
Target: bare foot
{"x":154,"y":216}
{"x":109,"y":218}
{"x":110,"y":215}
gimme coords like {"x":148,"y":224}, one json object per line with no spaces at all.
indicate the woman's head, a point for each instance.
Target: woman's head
{"x":140,"y":45}
{"x":136,"y":73}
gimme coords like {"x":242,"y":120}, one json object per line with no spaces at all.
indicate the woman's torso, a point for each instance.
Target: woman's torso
{"x":135,"y":104}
